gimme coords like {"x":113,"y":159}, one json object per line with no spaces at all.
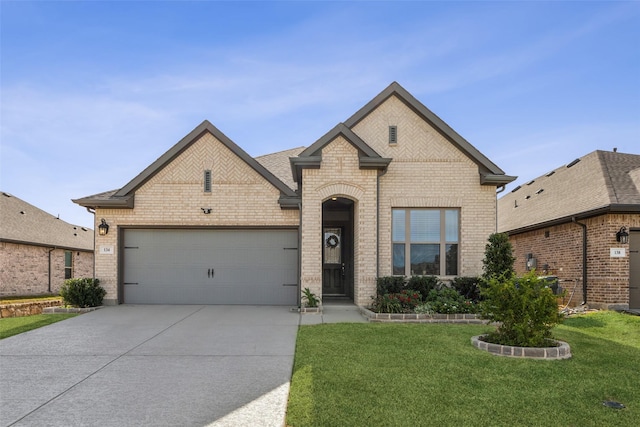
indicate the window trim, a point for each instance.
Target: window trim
{"x":443,"y":242}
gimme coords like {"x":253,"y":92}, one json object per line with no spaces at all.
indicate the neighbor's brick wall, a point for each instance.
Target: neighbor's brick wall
{"x":240,"y":197}
{"x":607,"y":277}
{"x":427,"y":171}
{"x":340,"y":176}
{"x":24,"y":269}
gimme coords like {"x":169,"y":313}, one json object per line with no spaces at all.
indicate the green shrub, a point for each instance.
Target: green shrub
{"x":525,"y":309}
{"x":386,"y":303}
{"x":390,"y":284}
{"x":498,"y":257}
{"x":468,"y":287}
{"x":423,"y":284}
{"x":82,"y":292}
{"x":448,"y":301}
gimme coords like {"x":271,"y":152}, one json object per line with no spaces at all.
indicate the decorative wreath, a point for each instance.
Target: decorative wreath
{"x":332,"y":241}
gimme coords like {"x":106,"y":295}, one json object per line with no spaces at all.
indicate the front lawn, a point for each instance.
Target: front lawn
{"x":430,"y":374}
{"x":17,"y":325}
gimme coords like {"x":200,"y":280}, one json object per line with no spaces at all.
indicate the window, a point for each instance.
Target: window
{"x":68,"y":265}
{"x":207,"y":181}
{"x":425,"y":241}
{"x":393,"y":134}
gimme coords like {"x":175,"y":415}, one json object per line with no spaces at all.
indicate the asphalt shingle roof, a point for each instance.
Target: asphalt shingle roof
{"x":279,"y":165}
{"x":600,"y":179}
{"x":25,"y":223}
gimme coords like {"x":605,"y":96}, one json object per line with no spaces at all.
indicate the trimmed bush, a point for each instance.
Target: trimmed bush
{"x":82,"y":292}
{"x":446,"y":301}
{"x":423,"y":284}
{"x":525,"y":309}
{"x":498,"y":257}
{"x":390,"y":284}
{"x":468,"y":287}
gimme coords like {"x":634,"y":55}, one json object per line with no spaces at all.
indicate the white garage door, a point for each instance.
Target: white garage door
{"x":210,"y":266}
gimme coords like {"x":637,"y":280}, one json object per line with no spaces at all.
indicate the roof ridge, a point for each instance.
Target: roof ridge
{"x":606,"y":173}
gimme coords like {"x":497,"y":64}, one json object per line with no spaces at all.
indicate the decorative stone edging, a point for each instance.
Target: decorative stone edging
{"x":562,"y":351}
{"x":420,"y":318}
{"x":21,"y":309}
{"x":57,"y":310}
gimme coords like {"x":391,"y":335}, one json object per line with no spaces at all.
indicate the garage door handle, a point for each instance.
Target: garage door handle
{"x":211,"y":273}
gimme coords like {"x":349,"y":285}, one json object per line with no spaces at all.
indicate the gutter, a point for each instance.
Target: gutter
{"x":93,"y":212}
{"x":49,"y":255}
{"x":498,"y":191}
{"x":584,"y":259}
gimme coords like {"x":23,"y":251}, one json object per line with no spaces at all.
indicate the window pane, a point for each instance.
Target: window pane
{"x":425,"y":259}
{"x":425,"y":225}
{"x":68,"y":257}
{"x":451,"y":226}
{"x":452,"y":260}
{"x":398,"y":225}
{"x":398,"y":259}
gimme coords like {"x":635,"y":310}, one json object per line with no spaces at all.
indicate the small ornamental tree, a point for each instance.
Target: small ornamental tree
{"x":525,"y":308}
{"x":498,"y":257}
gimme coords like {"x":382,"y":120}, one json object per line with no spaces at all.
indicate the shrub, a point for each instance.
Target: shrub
{"x":423,"y":284}
{"x":401,"y":302}
{"x":390,"y":284}
{"x":498,"y":257}
{"x":82,"y":292}
{"x":525,"y":309}
{"x":448,"y":301}
{"x":468,"y":287}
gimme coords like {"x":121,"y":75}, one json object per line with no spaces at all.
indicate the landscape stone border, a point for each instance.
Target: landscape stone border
{"x":57,"y":310}
{"x":562,"y":351}
{"x":420,"y":318}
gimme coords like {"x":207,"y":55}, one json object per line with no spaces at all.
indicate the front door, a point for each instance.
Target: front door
{"x":334,"y":274}
{"x":634,"y":270}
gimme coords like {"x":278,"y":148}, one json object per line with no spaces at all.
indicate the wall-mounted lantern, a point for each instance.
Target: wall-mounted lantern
{"x":622,"y":236}
{"x":103,"y":228}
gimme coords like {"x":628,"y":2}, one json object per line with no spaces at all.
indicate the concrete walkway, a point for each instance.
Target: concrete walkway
{"x":334,"y":312}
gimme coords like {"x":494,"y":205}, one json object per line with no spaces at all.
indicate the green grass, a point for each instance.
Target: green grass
{"x":17,"y":325}
{"x":431,"y":375}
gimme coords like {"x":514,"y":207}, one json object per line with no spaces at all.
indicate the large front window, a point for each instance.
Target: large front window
{"x":425,"y":241}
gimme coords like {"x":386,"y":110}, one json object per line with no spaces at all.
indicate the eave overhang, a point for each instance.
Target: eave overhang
{"x":615,"y":208}
{"x":126,"y":202}
{"x":495,"y":179}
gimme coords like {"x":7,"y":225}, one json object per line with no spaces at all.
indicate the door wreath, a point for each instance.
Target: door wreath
{"x":332,"y":241}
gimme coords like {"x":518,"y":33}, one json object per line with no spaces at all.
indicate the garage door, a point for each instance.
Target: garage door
{"x":210,"y":267}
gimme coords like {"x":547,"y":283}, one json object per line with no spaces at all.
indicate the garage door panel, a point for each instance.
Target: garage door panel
{"x":210,"y":266}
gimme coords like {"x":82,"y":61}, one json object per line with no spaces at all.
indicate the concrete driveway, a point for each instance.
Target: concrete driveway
{"x":152,"y":365}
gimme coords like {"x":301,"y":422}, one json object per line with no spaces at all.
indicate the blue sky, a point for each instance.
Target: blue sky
{"x":94,"y":92}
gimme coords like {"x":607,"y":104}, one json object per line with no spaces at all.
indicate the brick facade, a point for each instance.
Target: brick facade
{"x":173,"y":197}
{"x":560,"y":248}
{"x":26,"y":270}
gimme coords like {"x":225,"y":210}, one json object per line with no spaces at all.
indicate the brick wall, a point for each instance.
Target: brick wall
{"x":427,"y":171}
{"x":560,"y":247}
{"x":240,"y":197}
{"x":340,"y":176}
{"x":24,"y":269}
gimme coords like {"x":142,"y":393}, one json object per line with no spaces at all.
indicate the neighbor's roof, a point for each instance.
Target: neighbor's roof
{"x":599,"y":182}
{"x":23,"y":223}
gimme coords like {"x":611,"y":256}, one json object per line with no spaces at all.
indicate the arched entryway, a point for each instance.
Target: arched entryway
{"x":337,"y":249}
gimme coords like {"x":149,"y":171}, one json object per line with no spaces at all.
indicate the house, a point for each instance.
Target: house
{"x":392,"y":190}
{"x":581,"y":223}
{"x":39,"y":251}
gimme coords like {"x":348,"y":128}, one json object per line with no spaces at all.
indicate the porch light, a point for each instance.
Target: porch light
{"x":622,"y":236}
{"x":103,"y":228}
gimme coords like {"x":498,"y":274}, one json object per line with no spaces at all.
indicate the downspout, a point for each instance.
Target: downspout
{"x":49,"y":255}
{"x":584,"y":259}
{"x":300,"y":255}
{"x":380,"y":175}
{"x":498,"y":191}
{"x":93,"y":212}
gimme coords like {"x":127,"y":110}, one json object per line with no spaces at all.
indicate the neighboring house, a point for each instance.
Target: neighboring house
{"x":39,"y":251}
{"x":588,"y":203}
{"x":392,"y":190}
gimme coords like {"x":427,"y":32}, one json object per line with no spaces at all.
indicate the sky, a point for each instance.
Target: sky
{"x":93,"y":92}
